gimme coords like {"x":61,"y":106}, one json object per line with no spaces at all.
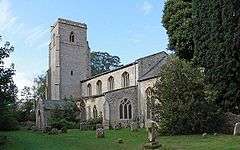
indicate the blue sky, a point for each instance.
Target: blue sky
{"x":128,"y":29}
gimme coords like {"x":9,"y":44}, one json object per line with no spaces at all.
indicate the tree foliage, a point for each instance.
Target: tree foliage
{"x":8,"y":90}
{"x":39,"y":88}
{"x":26,"y":105}
{"x":217,"y":47}
{"x":186,"y":104}
{"x":65,"y":118}
{"x":177,"y":19}
{"x":102,"y":61}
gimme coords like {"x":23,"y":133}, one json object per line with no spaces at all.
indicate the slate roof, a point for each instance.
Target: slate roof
{"x":150,"y":66}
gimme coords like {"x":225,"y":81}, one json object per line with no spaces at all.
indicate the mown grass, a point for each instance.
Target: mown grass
{"x":86,"y":140}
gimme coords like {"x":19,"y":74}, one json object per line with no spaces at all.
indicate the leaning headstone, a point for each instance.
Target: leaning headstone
{"x":99,"y":133}
{"x":153,"y":142}
{"x":236,"y":129}
{"x":134,"y":126}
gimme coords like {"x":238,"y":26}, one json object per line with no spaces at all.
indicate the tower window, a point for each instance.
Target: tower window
{"x":71,"y":37}
{"x":71,"y":73}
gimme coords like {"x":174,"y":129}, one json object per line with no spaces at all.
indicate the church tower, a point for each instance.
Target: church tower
{"x":69,"y":59}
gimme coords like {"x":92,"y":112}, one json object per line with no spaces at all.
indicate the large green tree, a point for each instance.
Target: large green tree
{"x":103,"y":61}
{"x":8,"y":90}
{"x":177,"y":19}
{"x":217,"y":47}
{"x":186,"y":105}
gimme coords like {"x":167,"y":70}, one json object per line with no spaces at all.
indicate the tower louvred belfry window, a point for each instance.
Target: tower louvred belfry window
{"x":71,"y":38}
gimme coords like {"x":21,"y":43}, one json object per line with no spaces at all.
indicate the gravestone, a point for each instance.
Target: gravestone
{"x":99,"y":131}
{"x":236,"y":129}
{"x":134,"y":126}
{"x":153,"y":143}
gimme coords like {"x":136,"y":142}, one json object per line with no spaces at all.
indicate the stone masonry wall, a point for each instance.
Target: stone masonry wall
{"x":117,"y":80}
{"x":114,"y":99}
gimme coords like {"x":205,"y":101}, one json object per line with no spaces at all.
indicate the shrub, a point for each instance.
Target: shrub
{"x":8,"y":120}
{"x":3,"y":139}
{"x":90,"y":124}
{"x":186,"y":105}
{"x":61,"y":123}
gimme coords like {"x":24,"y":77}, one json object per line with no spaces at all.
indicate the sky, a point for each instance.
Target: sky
{"x":130,"y":29}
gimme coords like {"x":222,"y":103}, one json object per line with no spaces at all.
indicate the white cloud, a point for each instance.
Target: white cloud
{"x":7,"y":20}
{"x":146,"y":7}
{"x":36,"y":36}
{"x":33,"y":37}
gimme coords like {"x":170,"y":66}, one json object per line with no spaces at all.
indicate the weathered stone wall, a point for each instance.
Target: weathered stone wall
{"x":69,"y":61}
{"x":54,"y":67}
{"x":117,"y":75}
{"x":75,"y":57}
{"x":98,"y":101}
{"x":142,"y":101}
{"x":114,"y":99}
{"x":40,"y":119}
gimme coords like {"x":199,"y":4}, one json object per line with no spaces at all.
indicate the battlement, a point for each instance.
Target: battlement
{"x":70,"y":22}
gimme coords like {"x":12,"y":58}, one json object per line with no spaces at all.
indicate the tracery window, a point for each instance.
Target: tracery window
{"x":125,"y":109}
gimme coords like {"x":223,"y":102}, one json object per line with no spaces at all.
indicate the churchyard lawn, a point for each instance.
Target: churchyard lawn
{"x":86,"y":140}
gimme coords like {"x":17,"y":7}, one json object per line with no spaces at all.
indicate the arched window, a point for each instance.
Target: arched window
{"x":125,"y":79}
{"x":95,"y":111}
{"x":125,"y":109}
{"x":148,"y":93}
{"x":71,"y":37}
{"x":110,"y":83}
{"x":99,"y":87}
{"x":89,"y":89}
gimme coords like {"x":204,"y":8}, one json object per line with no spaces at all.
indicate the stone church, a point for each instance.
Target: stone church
{"x":118,"y":96}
